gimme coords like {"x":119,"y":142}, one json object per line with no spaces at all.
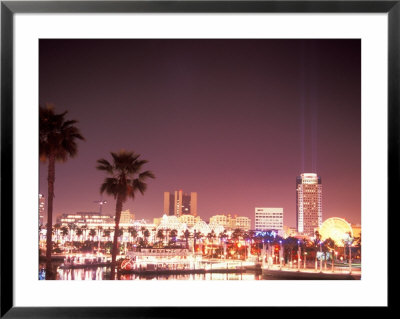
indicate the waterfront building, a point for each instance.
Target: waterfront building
{"x":85,"y":219}
{"x":180,"y":203}
{"x":41,"y":209}
{"x":267,"y":218}
{"x":308,"y":203}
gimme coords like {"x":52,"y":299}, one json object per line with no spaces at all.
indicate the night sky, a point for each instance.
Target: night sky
{"x":233,"y":120}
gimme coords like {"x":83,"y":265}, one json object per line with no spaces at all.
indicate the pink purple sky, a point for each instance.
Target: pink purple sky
{"x":233,"y":120}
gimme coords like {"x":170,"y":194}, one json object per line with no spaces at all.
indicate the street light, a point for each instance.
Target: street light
{"x":280,"y":254}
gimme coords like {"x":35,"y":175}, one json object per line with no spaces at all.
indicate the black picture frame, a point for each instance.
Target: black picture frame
{"x":9,"y":8}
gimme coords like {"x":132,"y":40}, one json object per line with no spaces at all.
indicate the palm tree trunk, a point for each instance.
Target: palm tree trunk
{"x":50,"y":191}
{"x":118,"y":210}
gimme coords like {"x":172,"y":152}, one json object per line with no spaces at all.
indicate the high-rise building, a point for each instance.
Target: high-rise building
{"x":180,"y":203}
{"x":267,"y":218}
{"x":41,"y":209}
{"x":308,"y":203}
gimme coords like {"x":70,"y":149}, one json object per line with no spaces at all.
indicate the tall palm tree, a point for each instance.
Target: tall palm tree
{"x":78,"y":233}
{"x":317,"y":244}
{"x":126,"y":179}
{"x":57,"y":228}
{"x":173,"y":233}
{"x":133,"y":233}
{"x":57,"y":142}
{"x":107,"y":234}
{"x":64,"y":232}
{"x":160,"y":235}
{"x":146,"y":235}
{"x":92,"y":233}
{"x":99,"y":230}
{"x":186,"y":235}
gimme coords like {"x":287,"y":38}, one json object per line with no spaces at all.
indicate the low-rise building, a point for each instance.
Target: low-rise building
{"x":84,"y":219}
{"x":189,"y":220}
{"x":229,"y":222}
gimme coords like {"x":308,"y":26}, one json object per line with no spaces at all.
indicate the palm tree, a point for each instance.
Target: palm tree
{"x":160,"y":235}
{"x":71,"y":228}
{"x":92,"y":233}
{"x":64,"y":232}
{"x":317,"y":242}
{"x":146,"y":235}
{"x":186,"y":235}
{"x":78,"y":232}
{"x":57,"y":230}
{"x":84,"y":232}
{"x":132,"y":233}
{"x":107,"y":234}
{"x":237,"y":233}
{"x":210,"y":236}
{"x":57,"y":142}
{"x":173,"y":233}
{"x":199,"y":236}
{"x":126,"y":179}
{"x":99,"y":230}
{"x":290,"y":244}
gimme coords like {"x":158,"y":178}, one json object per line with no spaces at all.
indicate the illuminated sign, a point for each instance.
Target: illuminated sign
{"x":266,"y":233}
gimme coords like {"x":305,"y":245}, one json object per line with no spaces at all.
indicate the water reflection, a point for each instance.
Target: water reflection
{"x":102,"y":273}
{"x":82,"y":274}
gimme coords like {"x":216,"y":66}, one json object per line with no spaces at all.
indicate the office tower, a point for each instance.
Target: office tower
{"x":308,"y":203}
{"x":180,"y":203}
{"x":267,"y":218}
{"x":41,"y":209}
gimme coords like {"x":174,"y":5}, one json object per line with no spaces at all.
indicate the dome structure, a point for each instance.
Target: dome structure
{"x":217,"y":228}
{"x":337,"y":229}
{"x":202,"y":227}
{"x":171,"y":222}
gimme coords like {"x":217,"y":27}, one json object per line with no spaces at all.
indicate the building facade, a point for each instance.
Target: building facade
{"x":179,"y":203}
{"x":267,"y":218}
{"x":242,"y":222}
{"x":127,"y":217}
{"x":221,"y":219}
{"x":229,"y":222}
{"x":189,"y":220}
{"x":308,"y":203}
{"x":85,"y":219}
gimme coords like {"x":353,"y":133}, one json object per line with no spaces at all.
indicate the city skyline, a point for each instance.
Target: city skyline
{"x":210,"y":108}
